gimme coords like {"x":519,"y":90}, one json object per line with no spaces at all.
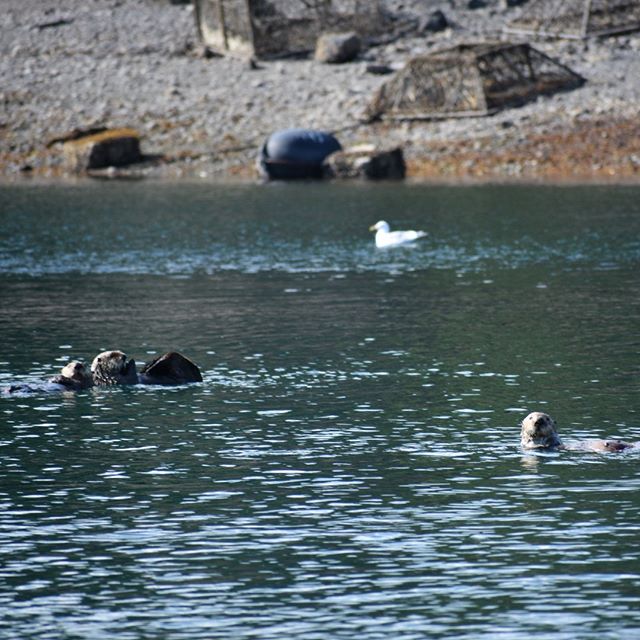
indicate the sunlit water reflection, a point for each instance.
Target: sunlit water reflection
{"x":350,"y":464}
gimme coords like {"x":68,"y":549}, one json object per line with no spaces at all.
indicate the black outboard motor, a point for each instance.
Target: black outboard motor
{"x":293,"y":154}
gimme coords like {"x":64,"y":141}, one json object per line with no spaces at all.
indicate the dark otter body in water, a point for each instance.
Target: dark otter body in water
{"x":170,"y":369}
{"x":539,"y":432}
{"x":72,"y":377}
{"x":113,"y":367}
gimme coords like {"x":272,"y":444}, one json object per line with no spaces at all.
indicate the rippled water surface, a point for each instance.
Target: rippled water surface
{"x":349,"y":468}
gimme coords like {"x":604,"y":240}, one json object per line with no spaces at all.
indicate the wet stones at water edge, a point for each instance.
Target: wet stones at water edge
{"x":539,"y":432}
{"x":111,"y":368}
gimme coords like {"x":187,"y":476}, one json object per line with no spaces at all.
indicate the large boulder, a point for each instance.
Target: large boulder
{"x":109,"y":148}
{"x":335,"y":48}
{"x":366,"y":162}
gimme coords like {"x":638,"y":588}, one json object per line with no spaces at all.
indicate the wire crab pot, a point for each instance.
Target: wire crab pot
{"x":470,"y":80}
{"x":576,"y":19}
{"x":278,"y":28}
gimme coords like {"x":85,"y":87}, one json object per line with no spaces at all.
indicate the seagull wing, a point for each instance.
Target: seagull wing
{"x":393,"y":238}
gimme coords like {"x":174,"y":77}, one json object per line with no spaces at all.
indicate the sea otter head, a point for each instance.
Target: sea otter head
{"x":77,"y":372}
{"x":112,"y":367}
{"x":539,"y":432}
{"x":74,"y":376}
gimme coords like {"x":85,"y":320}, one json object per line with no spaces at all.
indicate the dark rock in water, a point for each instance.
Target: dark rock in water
{"x":110,"y":148}
{"x":437,"y":21}
{"x":292,"y":154}
{"x":336,"y":48}
{"x":367,"y":162}
{"x":170,"y":369}
{"x":476,"y":4}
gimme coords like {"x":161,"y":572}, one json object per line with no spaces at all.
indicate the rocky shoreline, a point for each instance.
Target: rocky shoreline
{"x":139,"y":64}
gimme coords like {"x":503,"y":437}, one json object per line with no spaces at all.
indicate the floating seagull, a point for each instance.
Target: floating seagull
{"x":387,"y":238}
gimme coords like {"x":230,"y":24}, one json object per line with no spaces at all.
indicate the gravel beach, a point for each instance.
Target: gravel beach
{"x":66,"y":65}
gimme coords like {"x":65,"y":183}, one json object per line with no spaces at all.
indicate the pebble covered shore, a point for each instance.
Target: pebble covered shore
{"x":68,"y":65}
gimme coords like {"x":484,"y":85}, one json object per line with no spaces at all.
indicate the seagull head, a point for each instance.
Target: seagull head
{"x":381,"y":225}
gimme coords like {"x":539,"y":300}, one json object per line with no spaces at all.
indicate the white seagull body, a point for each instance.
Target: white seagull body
{"x":387,"y":238}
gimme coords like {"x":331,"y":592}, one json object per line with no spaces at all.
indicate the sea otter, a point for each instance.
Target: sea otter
{"x":72,"y":377}
{"x":539,"y":432}
{"x":113,"y":368}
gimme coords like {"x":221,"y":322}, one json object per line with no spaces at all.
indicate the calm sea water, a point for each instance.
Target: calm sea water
{"x":349,"y":468}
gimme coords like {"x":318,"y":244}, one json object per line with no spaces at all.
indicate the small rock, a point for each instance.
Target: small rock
{"x":366,"y":162}
{"x":379,"y":69}
{"x":437,"y":21}
{"x":202,"y":51}
{"x":336,"y":48}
